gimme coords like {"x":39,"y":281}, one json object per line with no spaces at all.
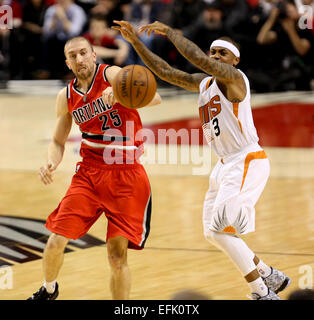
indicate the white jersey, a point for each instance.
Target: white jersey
{"x":228,"y":127}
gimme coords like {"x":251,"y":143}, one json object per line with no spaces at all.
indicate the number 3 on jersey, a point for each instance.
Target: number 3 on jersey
{"x":216,"y":127}
{"x":209,"y":111}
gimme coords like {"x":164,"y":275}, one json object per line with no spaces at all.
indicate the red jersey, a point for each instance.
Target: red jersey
{"x":110,"y":133}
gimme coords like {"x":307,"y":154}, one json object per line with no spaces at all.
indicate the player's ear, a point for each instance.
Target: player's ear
{"x":68,"y":64}
{"x":94,"y":56}
{"x":236,"y":61}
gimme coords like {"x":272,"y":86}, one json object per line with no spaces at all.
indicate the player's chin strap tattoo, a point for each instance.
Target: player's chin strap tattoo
{"x":165,"y":72}
{"x":196,"y":56}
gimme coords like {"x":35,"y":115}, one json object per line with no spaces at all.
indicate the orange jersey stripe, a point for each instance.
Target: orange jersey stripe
{"x":251,"y":156}
{"x":209,"y":82}
{"x":236,"y":113}
{"x":201,"y":110}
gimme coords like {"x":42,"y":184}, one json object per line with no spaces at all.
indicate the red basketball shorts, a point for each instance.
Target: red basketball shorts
{"x":122,"y":192}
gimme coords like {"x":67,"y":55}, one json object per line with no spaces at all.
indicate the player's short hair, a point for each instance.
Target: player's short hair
{"x":231,"y":41}
{"x":77,"y":38}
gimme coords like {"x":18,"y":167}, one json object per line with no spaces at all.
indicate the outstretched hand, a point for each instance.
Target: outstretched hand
{"x":126,"y":29}
{"x":45,"y":172}
{"x":156,"y":27}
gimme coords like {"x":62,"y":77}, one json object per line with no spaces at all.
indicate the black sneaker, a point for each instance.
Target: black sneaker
{"x":42,"y":294}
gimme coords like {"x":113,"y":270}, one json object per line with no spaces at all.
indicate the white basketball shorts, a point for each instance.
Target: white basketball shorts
{"x":235,"y":185}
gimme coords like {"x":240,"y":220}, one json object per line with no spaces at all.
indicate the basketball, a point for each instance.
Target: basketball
{"x":134,"y":86}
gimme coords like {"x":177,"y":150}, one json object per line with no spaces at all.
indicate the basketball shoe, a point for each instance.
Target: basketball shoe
{"x":277,"y":280}
{"x":42,"y":294}
{"x":270,"y":296}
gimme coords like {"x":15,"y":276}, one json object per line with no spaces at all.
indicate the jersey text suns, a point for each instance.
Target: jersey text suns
{"x":227,"y":125}
{"x":209,"y":111}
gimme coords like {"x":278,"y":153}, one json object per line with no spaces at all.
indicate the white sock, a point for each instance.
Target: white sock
{"x":50,"y":286}
{"x":258,"y":286}
{"x":263,"y":269}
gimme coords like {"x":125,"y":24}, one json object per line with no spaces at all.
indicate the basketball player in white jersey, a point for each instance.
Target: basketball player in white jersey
{"x":241,"y":173}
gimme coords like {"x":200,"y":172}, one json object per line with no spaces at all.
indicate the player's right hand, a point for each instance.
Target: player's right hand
{"x":45,"y":173}
{"x":126,"y":29}
{"x":108,"y":96}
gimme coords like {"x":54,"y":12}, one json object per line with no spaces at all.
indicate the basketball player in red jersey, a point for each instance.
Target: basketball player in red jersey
{"x":108,"y":179}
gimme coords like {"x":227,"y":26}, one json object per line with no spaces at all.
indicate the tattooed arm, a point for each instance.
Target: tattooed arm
{"x":223,"y":71}
{"x":159,"y":66}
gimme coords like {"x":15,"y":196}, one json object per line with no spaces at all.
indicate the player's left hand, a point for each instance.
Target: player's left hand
{"x":126,"y":29}
{"x":156,"y":27}
{"x":108,"y":96}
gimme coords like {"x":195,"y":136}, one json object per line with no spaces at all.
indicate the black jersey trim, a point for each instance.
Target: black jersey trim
{"x":104,"y":137}
{"x":104,"y":73}
{"x":90,"y":86}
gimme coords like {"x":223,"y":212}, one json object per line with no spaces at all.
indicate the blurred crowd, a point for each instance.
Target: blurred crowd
{"x":276,"y":36}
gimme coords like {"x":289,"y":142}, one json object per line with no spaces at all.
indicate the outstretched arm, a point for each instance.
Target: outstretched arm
{"x":224,"y":72}
{"x":160,"y":67}
{"x":56,"y":147}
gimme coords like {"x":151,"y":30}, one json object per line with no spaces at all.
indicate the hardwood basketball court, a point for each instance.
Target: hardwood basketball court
{"x":177,"y":256}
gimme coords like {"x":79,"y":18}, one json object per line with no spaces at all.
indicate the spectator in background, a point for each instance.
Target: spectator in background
{"x":185,"y":12}
{"x":139,"y":13}
{"x":86,"y":5}
{"x":62,"y":21}
{"x":208,"y":27}
{"x":235,"y":13}
{"x":183,"y":15}
{"x":291,"y":68}
{"x":108,"y":48}
{"x":245,"y":33}
{"x":33,"y":20}
{"x":112,"y":9}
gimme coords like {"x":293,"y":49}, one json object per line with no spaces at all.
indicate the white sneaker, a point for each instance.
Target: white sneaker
{"x":277,"y":280}
{"x":270,"y":296}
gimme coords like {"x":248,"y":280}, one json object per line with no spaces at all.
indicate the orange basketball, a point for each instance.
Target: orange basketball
{"x":134,"y":86}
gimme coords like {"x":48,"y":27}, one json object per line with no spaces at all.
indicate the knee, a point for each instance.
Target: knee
{"x":116,"y":260}
{"x":210,"y":236}
{"x":56,"y":243}
{"x":117,"y":254}
{"x":217,"y":238}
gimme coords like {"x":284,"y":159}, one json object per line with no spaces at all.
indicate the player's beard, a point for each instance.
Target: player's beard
{"x":84,"y":73}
